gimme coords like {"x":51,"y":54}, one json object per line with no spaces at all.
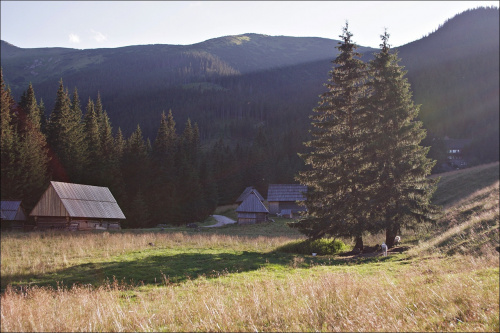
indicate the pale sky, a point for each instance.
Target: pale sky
{"x":105,"y":24}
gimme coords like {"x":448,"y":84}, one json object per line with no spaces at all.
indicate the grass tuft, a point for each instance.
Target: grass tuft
{"x":324,"y":246}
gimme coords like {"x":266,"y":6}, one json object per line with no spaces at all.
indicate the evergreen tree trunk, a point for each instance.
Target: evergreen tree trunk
{"x":390,"y":234}
{"x":359,"y":243}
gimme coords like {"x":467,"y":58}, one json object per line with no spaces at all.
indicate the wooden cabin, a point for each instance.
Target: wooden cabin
{"x":77,"y":207}
{"x":286,"y":197}
{"x":246,"y":192}
{"x":455,"y":152}
{"x":252,"y":210}
{"x":12,"y":215}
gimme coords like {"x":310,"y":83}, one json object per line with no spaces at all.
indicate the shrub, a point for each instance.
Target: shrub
{"x":321,"y":246}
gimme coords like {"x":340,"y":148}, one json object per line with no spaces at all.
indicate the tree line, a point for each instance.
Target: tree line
{"x":172,"y":179}
{"x":367,"y":171}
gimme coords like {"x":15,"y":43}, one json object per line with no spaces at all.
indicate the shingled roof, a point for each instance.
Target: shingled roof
{"x":77,"y":200}
{"x":286,"y":192}
{"x":252,"y":204}
{"x":247,"y":192}
{"x":12,"y":210}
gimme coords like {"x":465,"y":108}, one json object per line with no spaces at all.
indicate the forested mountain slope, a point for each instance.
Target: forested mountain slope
{"x":454,"y":74}
{"x":234,"y":85}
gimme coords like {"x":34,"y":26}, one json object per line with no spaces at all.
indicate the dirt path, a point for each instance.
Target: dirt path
{"x":221,"y":221}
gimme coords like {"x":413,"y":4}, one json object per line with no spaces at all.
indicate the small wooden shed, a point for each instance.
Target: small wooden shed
{"x":12,"y":215}
{"x":252,"y":210}
{"x":246,"y":192}
{"x":77,"y":207}
{"x":286,"y":197}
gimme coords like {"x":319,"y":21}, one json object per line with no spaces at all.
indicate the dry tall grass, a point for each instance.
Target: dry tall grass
{"x":460,"y":294}
{"x":430,"y":290}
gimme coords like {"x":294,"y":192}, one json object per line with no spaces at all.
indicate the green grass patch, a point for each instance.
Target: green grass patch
{"x":324,"y":246}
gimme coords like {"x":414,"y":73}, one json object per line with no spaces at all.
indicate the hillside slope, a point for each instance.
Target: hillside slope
{"x":470,"y":224}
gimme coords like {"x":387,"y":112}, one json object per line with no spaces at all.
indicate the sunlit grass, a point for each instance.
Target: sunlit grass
{"x":456,"y":294}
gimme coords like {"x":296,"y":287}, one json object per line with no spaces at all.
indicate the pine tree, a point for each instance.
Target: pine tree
{"x":23,"y":146}
{"x":93,"y":141}
{"x":110,"y":175}
{"x":43,"y":117}
{"x":78,"y":143}
{"x":30,"y":108}
{"x":403,"y":189}
{"x":163,"y":168}
{"x":209,"y":188}
{"x":32,"y":151}
{"x":135,"y":170}
{"x":188,"y":186}
{"x":338,"y":197}
{"x":9,"y":144}
{"x":64,"y":135}
{"x":120,"y":144}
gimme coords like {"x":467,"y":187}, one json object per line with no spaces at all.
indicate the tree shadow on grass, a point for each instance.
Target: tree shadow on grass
{"x":155,"y":269}
{"x":163,"y":268}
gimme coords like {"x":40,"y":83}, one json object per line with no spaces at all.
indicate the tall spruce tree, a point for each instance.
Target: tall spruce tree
{"x":9,"y":144}
{"x":31,"y":110}
{"x":339,"y":180}
{"x":188,"y":186}
{"x":135,"y":170}
{"x":78,"y":144}
{"x":32,"y":151}
{"x":110,"y":173}
{"x":403,"y":188}
{"x":93,"y":141}
{"x":24,"y":153}
{"x":163,"y":168}
{"x":64,"y":135}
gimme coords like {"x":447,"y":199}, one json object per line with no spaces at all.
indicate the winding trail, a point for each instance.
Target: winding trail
{"x":221,"y":221}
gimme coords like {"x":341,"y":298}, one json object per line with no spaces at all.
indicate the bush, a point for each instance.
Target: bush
{"x":321,"y":246}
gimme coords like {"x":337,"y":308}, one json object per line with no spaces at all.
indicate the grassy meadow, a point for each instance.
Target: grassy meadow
{"x":238,"y":278}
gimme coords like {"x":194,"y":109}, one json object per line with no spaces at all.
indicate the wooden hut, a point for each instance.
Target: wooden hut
{"x":246,"y":192}
{"x":252,"y":210}
{"x":77,"y":207}
{"x":286,"y":197}
{"x":12,"y":215}
{"x":455,"y":152}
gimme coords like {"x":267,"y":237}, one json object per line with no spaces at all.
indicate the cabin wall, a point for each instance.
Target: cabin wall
{"x":274,"y":207}
{"x":277,"y":206}
{"x":50,"y":222}
{"x":252,"y":218}
{"x":54,"y":222}
{"x":49,"y":205}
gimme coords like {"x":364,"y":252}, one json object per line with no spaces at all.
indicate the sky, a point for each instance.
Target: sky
{"x":109,"y":24}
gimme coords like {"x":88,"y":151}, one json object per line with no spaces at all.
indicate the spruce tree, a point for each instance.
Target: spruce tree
{"x":120,"y":144}
{"x":403,"y":188}
{"x":9,"y":144}
{"x":43,"y":117}
{"x":93,"y":141}
{"x":64,"y":135}
{"x":32,"y":151}
{"x":110,"y":175}
{"x":135,"y":170}
{"x":78,"y":143}
{"x":163,"y":168}
{"x":30,"y":108}
{"x":188,"y":185}
{"x":339,"y":183}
